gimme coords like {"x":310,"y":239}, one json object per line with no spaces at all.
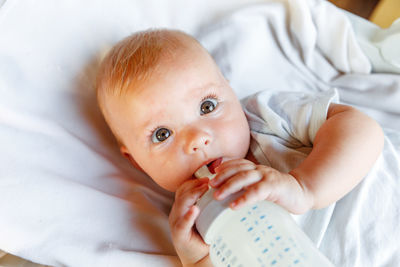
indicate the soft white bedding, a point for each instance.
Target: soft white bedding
{"x":66,"y":196}
{"x":285,"y":49}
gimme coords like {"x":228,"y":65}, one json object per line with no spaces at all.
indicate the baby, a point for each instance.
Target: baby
{"x":172,"y":112}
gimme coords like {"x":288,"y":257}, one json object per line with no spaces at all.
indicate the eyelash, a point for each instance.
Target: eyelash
{"x":150,"y":135}
{"x":211,"y":95}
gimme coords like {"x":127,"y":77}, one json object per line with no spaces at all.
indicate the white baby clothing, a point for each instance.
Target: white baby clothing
{"x":283,"y":127}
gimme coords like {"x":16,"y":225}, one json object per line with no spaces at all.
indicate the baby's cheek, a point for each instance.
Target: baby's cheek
{"x":237,"y":141}
{"x":173,"y":179}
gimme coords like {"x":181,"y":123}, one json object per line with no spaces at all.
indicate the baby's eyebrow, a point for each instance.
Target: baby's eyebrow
{"x":148,"y":118}
{"x":150,"y":125}
{"x":212,"y":86}
{"x":202,"y":90}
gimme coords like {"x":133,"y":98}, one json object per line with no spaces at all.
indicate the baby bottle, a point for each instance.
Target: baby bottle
{"x":263,"y":234}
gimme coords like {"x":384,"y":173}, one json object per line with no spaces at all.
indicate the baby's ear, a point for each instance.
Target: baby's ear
{"x":125,"y":153}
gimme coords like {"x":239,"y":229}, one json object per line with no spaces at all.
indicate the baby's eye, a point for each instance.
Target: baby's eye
{"x":160,"y":135}
{"x":208,"y":106}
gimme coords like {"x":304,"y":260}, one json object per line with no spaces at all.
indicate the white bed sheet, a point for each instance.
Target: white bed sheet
{"x":66,"y":196}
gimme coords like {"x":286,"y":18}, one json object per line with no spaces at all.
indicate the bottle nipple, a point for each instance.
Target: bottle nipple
{"x":204,"y":172}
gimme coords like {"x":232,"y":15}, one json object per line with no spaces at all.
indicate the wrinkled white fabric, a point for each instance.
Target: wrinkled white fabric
{"x":67,"y":198}
{"x":268,"y":48}
{"x":283,"y":127}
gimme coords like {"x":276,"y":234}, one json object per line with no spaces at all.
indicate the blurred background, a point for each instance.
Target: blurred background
{"x":381,"y":12}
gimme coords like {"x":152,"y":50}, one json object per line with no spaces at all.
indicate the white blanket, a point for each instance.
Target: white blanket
{"x":67,"y":198}
{"x":310,"y":46}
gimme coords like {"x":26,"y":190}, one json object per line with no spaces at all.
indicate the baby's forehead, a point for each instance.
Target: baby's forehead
{"x":170,"y":78}
{"x":185,"y":76}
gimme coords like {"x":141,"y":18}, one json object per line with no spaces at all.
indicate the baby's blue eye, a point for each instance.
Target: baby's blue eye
{"x":160,"y":135}
{"x":208,"y":106}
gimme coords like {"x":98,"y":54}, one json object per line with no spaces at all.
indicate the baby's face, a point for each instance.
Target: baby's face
{"x":184,"y":116}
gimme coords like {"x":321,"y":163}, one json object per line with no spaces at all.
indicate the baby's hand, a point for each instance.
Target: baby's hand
{"x":260,"y":183}
{"x":189,"y":245}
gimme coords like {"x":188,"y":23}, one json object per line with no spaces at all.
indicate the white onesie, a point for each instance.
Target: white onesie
{"x":283,"y":127}
{"x":363,"y":225}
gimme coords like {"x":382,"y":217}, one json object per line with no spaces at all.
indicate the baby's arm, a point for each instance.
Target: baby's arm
{"x":189,"y":245}
{"x":344,"y":150}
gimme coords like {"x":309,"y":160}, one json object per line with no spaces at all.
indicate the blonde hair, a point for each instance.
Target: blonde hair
{"x":132,"y":60}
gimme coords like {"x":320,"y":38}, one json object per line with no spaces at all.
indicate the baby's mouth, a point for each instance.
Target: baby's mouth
{"x":208,"y":170}
{"x":214,"y":164}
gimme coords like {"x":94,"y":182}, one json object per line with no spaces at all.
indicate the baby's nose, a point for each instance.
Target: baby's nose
{"x":197,"y":141}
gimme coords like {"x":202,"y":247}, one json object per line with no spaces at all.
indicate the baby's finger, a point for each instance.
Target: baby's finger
{"x":183,"y":227}
{"x":183,"y":203}
{"x":227,"y":172}
{"x":237,"y":182}
{"x":252,"y":195}
{"x":189,"y":185}
{"x":190,"y":197}
{"x":230,"y":163}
